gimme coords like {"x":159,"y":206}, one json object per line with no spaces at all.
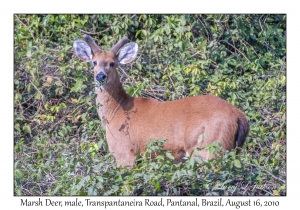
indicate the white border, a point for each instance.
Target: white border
{"x":8,"y":201}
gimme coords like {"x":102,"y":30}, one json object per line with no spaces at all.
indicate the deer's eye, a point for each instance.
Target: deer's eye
{"x":95,"y":63}
{"x":112,"y":64}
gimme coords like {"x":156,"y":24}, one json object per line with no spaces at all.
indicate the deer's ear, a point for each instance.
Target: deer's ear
{"x":128,"y":53}
{"x":82,"y":50}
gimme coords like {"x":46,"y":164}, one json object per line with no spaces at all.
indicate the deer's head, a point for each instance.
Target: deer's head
{"x":105,"y":63}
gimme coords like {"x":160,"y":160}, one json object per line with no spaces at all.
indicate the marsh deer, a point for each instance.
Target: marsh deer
{"x":188,"y":123}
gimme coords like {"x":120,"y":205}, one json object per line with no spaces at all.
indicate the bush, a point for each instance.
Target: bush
{"x":60,"y":146}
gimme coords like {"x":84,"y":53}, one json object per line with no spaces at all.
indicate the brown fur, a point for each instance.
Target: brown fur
{"x":130,"y":121}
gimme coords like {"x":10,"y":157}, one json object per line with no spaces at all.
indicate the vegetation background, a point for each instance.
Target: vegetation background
{"x":59,"y":143}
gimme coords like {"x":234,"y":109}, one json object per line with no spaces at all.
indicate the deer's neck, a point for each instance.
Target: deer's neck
{"x":110,"y":98}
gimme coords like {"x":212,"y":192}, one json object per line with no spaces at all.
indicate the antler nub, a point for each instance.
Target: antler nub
{"x":88,"y":39}
{"x":116,"y":48}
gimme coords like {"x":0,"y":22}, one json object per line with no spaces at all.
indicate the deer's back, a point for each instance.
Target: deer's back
{"x":183,"y":120}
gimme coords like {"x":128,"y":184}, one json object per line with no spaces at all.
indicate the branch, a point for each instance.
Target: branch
{"x":25,"y":26}
{"x":267,"y":172}
{"x":236,"y":50}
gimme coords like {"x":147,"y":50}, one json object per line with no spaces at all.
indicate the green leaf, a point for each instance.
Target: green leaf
{"x":262,"y":62}
{"x":78,"y":86}
{"x":157,"y":185}
{"x":38,"y":95}
{"x":28,"y":48}
{"x":82,"y":193}
{"x":144,"y":32}
{"x":56,"y":189}
{"x":114,"y":189}
{"x":26,"y":129}
{"x":211,"y":150}
{"x":45,"y":21}
{"x":92,"y":191}
{"x":139,"y":66}
{"x":227,"y":181}
{"x":206,"y":186}
{"x":82,"y":182}
{"x":169,"y":155}
{"x":210,"y":44}
{"x":39,"y":175}
{"x":58,"y":83}
{"x":19,"y":174}
{"x":237,"y":163}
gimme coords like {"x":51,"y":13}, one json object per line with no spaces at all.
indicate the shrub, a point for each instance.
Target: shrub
{"x":60,"y":146}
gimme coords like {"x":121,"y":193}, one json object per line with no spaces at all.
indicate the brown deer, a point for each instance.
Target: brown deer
{"x":188,"y":123}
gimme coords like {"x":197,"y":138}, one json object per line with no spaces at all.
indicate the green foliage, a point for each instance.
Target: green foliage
{"x":60,"y":146}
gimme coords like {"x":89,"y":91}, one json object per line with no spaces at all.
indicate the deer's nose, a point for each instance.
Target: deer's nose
{"x":100,"y":77}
